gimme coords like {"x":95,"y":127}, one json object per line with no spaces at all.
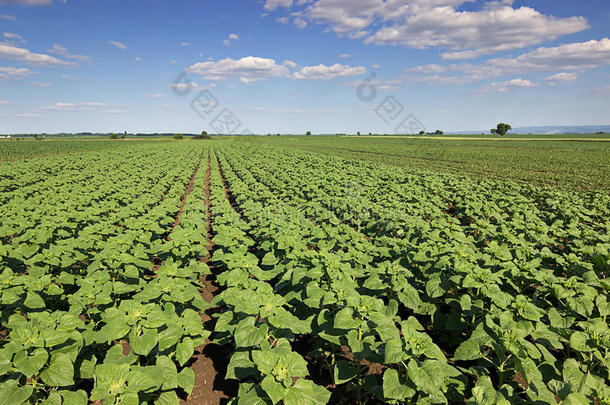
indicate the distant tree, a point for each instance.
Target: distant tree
{"x":422,"y":132}
{"x":114,"y":136}
{"x":438,"y":132}
{"x":178,"y":137}
{"x":203,"y":135}
{"x":308,"y":133}
{"x":358,"y":133}
{"x":370,"y":133}
{"x":501,"y":129}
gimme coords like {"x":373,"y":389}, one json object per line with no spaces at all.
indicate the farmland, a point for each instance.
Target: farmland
{"x":568,"y":162}
{"x":304,"y":271}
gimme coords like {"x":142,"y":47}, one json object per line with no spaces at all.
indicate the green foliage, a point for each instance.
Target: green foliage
{"x":178,"y":137}
{"x":501,"y":129}
{"x":203,"y":135}
{"x":440,"y":289}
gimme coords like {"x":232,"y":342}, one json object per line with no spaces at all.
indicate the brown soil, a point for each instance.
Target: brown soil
{"x":210,"y":360}
{"x":157,"y":263}
{"x":189,"y":190}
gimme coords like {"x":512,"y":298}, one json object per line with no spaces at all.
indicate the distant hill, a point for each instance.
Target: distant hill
{"x":550,"y":129}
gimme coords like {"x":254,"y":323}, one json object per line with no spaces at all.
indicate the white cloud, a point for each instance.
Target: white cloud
{"x":174,"y":62}
{"x":87,"y":106}
{"x":345,"y":56}
{"x":192,"y":86}
{"x":505,"y":86}
{"x":113,"y":111}
{"x":572,"y":56}
{"x":118,"y":44}
{"x":290,"y":64}
{"x":62,"y":51}
{"x":42,"y":84}
{"x":24,"y":55}
{"x":323,"y":72}
{"x":13,"y":36}
{"x":599,"y":90}
{"x":29,"y":115}
{"x":4,"y":102}
{"x":300,"y":23}
{"x":561,"y":77}
{"x":155,"y":96}
{"x":27,"y":2}
{"x":567,"y":57}
{"x":13,"y":72}
{"x":186,"y":44}
{"x":231,"y":37}
{"x":249,"y":69}
{"x":137,"y":58}
{"x":376,"y":66}
{"x":273,"y":4}
{"x":282,"y":20}
{"x":68,"y":77}
{"x":421,"y":24}
{"x":8,"y":17}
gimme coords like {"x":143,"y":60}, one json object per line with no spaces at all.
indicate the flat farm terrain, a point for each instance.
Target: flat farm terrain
{"x":306,"y":270}
{"x":564,"y":162}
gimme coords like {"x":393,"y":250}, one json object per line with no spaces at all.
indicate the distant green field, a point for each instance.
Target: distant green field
{"x":570,"y":162}
{"x":30,"y":148}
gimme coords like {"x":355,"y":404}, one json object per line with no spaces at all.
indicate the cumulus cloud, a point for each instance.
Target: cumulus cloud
{"x":300,"y":23}
{"x":421,"y":24}
{"x":273,"y":4}
{"x":15,"y":73}
{"x":249,"y":69}
{"x":505,"y":86}
{"x":576,"y":56}
{"x":118,"y":44}
{"x":24,"y":55}
{"x":572,"y":56}
{"x":230,"y":38}
{"x":290,"y":64}
{"x":561,"y":77}
{"x":323,"y":72}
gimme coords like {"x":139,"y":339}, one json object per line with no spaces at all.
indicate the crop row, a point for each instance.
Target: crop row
{"x":515,"y":310}
{"x":99,"y":307}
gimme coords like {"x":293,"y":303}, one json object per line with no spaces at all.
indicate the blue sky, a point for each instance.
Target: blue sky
{"x":294,"y":65}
